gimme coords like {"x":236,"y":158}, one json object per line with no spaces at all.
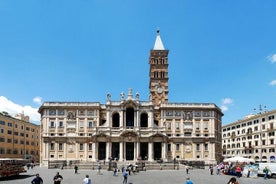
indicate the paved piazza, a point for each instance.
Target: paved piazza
{"x":199,"y":176}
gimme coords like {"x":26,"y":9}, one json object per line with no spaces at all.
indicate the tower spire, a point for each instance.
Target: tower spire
{"x":158,"y":42}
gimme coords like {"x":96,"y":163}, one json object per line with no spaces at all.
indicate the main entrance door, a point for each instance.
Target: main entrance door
{"x":101,"y":150}
{"x":144,"y":150}
{"x":157,"y":151}
{"x":115,"y":150}
{"x":129,"y":151}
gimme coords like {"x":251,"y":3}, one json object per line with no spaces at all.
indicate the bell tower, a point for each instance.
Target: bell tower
{"x":158,"y":73}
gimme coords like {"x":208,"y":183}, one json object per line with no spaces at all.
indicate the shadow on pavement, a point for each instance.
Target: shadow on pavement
{"x":17,"y":177}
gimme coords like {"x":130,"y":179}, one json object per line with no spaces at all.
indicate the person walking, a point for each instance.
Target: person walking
{"x":189,"y":181}
{"x":187,"y":169}
{"x":87,"y":180}
{"x":99,"y":168}
{"x":211,"y":168}
{"x":76,"y":168}
{"x":125,"y":177}
{"x":58,"y":178}
{"x":266,"y":171}
{"x":37,"y":179}
{"x":115,"y":171}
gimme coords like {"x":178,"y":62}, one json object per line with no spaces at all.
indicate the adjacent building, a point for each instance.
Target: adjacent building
{"x":128,"y":129}
{"x":19,"y":138}
{"x":252,"y":137}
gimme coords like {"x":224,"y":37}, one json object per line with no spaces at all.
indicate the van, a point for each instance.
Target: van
{"x":271,"y":167}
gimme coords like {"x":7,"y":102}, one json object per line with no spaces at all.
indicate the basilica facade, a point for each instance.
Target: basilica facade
{"x":128,"y":129}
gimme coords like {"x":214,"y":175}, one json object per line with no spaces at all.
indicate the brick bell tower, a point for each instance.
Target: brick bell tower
{"x":158,"y":74}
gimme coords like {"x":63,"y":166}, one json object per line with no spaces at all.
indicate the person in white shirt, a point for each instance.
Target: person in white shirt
{"x":87,"y":180}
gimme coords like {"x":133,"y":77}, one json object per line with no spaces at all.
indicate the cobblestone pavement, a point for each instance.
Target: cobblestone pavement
{"x":199,"y":176}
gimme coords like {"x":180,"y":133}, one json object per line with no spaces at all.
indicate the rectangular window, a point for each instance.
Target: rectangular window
{"x":197,"y":147}
{"x":81,"y":147}
{"x":60,"y":124}
{"x":169,"y":147}
{"x":52,"y":124}
{"x":81,"y":124}
{"x":2,"y":139}
{"x":177,"y":125}
{"x":90,"y":146}
{"x":52,"y":146}
{"x":90,"y":124}
{"x":177,"y":147}
{"x":60,"y":146}
{"x":206,"y":147}
{"x":2,"y":151}
{"x":10,"y":124}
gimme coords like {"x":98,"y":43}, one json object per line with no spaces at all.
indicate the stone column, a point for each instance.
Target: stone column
{"x":138,"y":149}
{"x":85,"y":151}
{"x":135,"y":151}
{"x":65,"y":150}
{"x":94,"y":151}
{"x":121,"y":151}
{"x":121,"y":118}
{"x":108,"y":123}
{"x":150,"y":157}
{"x":107,"y":155}
{"x":163,"y":151}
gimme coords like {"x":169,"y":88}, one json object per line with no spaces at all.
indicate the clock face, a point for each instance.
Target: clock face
{"x":159,"y":89}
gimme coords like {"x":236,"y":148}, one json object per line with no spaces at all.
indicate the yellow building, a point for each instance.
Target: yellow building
{"x":128,"y":129}
{"x":19,"y":138}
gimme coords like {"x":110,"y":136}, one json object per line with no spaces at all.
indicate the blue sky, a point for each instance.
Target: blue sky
{"x":221,"y":52}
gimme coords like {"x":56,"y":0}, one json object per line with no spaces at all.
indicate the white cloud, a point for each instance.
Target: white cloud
{"x":224,"y":108}
{"x":227,"y":101}
{"x":273,"y":83}
{"x":272,"y":58}
{"x":13,"y":108}
{"x":225,"y":104}
{"x":37,"y":100}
